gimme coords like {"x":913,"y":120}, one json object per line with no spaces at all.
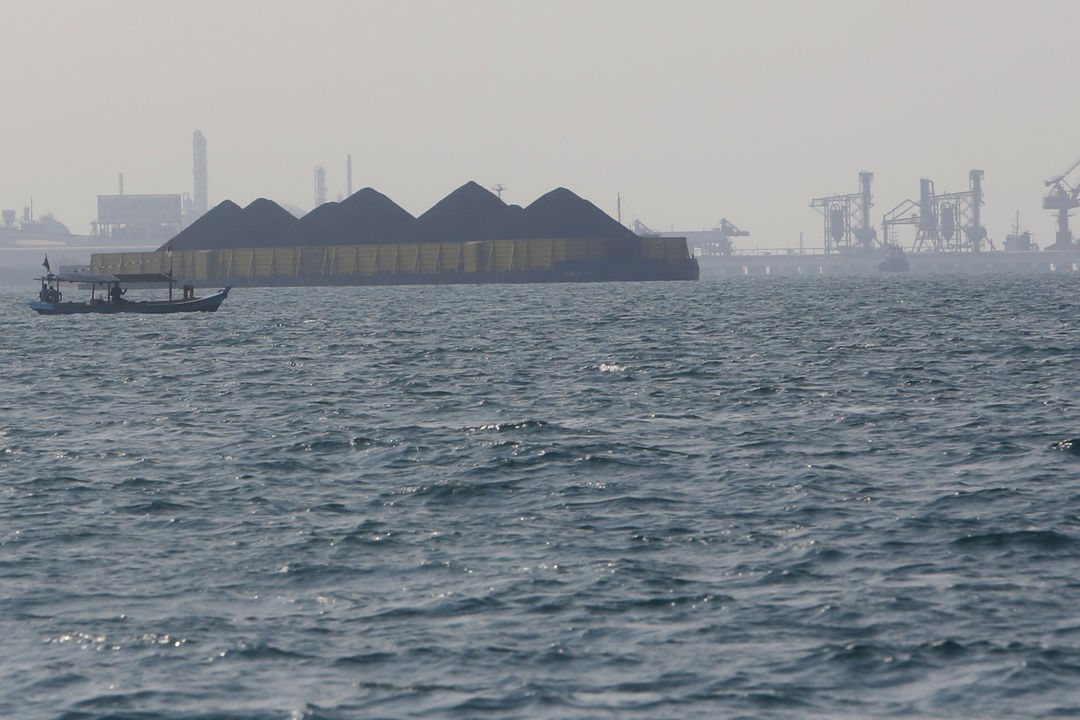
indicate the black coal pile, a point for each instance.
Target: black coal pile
{"x":315,"y":227}
{"x":509,"y":224}
{"x":562,"y":214}
{"x":264,"y":223}
{"x":469,"y":213}
{"x":365,"y":217}
{"x":216,"y":226}
{"x":368,"y":217}
{"x":261,"y":224}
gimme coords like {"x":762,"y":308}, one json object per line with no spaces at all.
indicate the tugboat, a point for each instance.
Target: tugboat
{"x":894,"y":260}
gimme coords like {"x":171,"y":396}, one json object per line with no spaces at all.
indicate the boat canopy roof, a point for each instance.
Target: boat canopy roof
{"x":122,"y":278}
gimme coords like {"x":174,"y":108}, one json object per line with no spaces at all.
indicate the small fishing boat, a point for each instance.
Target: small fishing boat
{"x":111,"y":299}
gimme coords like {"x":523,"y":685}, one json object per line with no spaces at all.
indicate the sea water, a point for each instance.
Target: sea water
{"x":758,"y":497}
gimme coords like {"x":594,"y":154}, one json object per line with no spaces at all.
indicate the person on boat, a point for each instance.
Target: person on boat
{"x":115,"y":293}
{"x":49,"y":294}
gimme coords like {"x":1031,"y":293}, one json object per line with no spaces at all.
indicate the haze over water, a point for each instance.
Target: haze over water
{"x":760,"y":497}
{"x":681,"y":113}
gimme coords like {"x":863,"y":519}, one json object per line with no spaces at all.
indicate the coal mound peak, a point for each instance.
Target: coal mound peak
{"x":264,"y":223}
{"x":371,"y":217}
{"x":562,"y":214}
{"x":469,"y":213}
{"x":213,"y":230}
{"x":315,"y":227}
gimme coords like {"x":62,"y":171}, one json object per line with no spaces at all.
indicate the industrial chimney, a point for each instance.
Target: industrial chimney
{"x":200,"y":203}
{"x":320,"y":185}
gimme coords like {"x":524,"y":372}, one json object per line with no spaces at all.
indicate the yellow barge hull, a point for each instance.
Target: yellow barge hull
{"x":482,"y":261}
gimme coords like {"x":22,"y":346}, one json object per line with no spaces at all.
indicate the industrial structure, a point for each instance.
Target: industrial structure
{"x":728,"y":231}
{"x":943,"y":222}
{"x":1062,"y":198}
{"x":847,"y":218}
{"x":320,"y":185}
{"x":139,"y":218}
{"x":33,"y":229}
{"x":948,"y":236}
{"x":703,"y":243}
{"x":200,"y":200}
{"x":938,"y":230}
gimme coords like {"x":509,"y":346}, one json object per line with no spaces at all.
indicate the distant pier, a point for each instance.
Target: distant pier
{"x":796,"y":262}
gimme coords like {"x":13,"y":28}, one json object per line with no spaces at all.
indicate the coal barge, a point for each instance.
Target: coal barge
{"x":470,"y":236}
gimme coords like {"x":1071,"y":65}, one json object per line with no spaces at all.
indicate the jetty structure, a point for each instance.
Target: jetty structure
{"x":936,"y":232}
{"x":470,"y":236}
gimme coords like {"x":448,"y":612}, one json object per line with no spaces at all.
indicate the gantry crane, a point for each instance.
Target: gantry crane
{"x":1062,"y":198}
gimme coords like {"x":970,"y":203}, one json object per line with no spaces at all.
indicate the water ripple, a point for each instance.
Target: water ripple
{"x":766,"y":498}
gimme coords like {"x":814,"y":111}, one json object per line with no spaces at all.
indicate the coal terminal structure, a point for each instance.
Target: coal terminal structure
{"x":470,"y":236}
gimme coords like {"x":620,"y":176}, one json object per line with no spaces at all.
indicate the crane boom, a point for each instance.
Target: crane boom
{"x":728,"y":229}
{"x":1061,"y":177}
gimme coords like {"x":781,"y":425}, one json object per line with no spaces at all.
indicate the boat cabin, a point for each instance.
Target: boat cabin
{"x":107,"y":295}
{"x":106,"y":288}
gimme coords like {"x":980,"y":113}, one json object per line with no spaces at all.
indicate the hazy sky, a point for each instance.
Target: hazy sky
{"x":691,"y":110}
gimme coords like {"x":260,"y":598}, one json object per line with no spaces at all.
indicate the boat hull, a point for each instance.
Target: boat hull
{"x":210,"y":303}
{"x":894,"y":265}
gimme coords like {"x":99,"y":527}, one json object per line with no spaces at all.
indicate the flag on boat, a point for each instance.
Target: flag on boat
{"x":46,"y":264}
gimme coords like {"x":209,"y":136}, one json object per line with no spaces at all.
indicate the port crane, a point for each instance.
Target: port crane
{"x":707,"y":242}
{"x":728,"y":231}
{"x":1062,"y":198}
{"x":644,"y":230}
{"x":944,"y":222}
{"x":847,"y":217}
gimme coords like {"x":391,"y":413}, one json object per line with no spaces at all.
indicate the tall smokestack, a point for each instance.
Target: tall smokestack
{"x":121,"y":184}
{"x":348,"y":173}
{"x":200,"y":203}
{"x":320,"y":185}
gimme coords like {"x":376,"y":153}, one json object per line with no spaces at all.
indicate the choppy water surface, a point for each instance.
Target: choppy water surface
{"x":760,"y":498}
